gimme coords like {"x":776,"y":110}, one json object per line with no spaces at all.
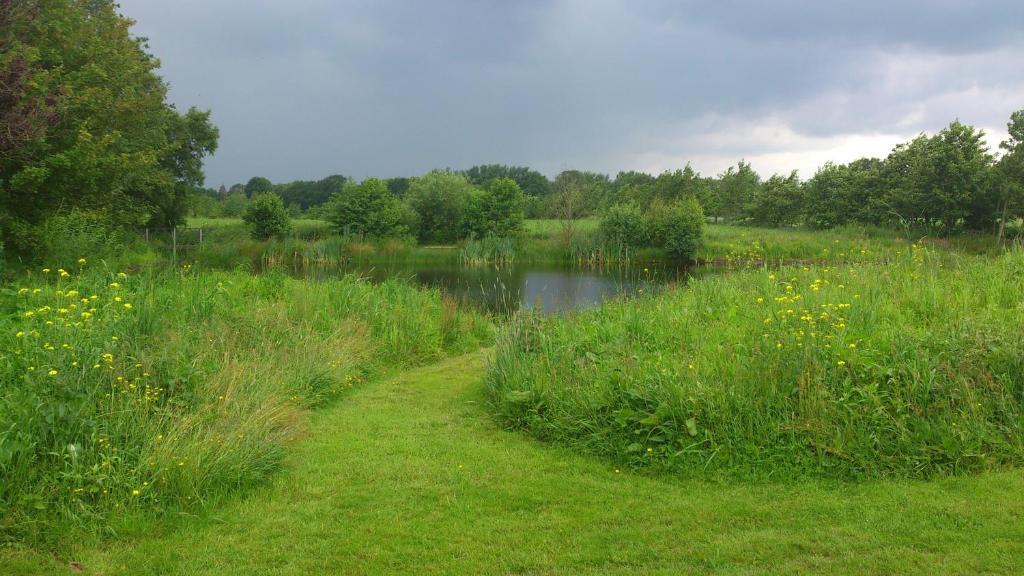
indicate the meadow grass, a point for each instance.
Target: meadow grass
{"x":412,"y":476}
{"x":729,"y":244}
{"x":164,"y":391}
{"x":913,"y":369}
{"x":311,"y":244}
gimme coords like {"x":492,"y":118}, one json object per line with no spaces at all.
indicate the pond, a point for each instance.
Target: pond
{"x":550,"y":288}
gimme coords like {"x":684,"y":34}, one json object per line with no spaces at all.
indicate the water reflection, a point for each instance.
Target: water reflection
{"x":549,"y":288}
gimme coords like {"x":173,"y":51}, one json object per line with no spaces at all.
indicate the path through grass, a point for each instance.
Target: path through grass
{"x":411,"y":475}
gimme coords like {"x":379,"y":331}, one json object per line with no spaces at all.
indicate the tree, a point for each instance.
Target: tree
{"x":504,"y":204}
{"x":442,"y":201}
{"x":567,"y":205}
{"x":939,"y":181}
{"x":368,"y":209}
{"x":531,"y":182}
{"x":589,"y":191}
{"x":306,"y":194}
{"x":778,"y":202}
{"x":267,"y":217}
{"x":234,"y":204}
{"x":1010,"y":184}
{"x":258,"y":185}
{"x":85,"y":123}
{"x":190,"y":137}
{"x":736,"y":190}
{"x":676,"y":226}
{"x":625,"y":226}
{"x":398,"y":186}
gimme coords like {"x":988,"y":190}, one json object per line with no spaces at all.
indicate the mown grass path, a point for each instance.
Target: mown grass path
{"x":411,"y":476}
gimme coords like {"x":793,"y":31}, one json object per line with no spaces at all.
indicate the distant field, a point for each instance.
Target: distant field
{"x":229,"y":222}
{"x":545,"y":227}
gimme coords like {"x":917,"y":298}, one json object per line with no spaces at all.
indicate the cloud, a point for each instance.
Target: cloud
{"x":314,"y":87}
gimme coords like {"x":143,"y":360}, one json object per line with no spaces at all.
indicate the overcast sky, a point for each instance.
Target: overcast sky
{"x":306,"y":88}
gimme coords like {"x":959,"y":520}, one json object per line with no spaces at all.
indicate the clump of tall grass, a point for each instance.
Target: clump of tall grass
{"x":488,"y":250}
{"x":910,"y":369}
{"x":156,"y":392}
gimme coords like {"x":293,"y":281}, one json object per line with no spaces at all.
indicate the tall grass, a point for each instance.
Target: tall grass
{"x":487,"y":250}
{"x":910,"y":369}
{"x":745,"y":245}
{"x":161,"y":392}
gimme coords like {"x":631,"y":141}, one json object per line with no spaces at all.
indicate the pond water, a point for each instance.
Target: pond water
{"x":551,"y":288}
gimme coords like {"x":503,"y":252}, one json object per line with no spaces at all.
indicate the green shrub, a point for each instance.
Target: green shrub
{"x":267,"y":217}
{"x":624,"y":225}
{"x":368,"y":209}
{"x":677,"y":227}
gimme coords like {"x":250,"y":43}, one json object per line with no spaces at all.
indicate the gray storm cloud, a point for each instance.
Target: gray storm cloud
{"x":309,"y":88}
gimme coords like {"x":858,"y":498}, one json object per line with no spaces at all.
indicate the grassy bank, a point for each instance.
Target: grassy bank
{"x":411,"y":476}
{"x":743,"y":245}
{"x":911,"y":369}
{"x":142,"y":394}
{"x":227,"y":245}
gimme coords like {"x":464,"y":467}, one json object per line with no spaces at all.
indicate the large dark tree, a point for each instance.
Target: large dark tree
{"x":84,"y":122}
{"x":531,"y":182}
{"x":1010,"y":184}
{"x":937,"y":181}
{"x":736,"y":190}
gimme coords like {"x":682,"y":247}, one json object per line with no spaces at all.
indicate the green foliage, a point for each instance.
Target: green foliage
{"x":625,"y":226}
{"x":503,"y":208}
{"x":576,"y":194}
{"x":839,"y":194}
{"x":911,"y":369}
{"x":308,"y":194}
{"x":67,"y":236}
{"x":442,"y":202}
{"x":935,"y":181}
{"x":267,"y":217}
{"x":234,"y":204}
{"x":258,"y":185}
{"x":531,"y":182}
{"x":369,"y":209}
{"x":677,"y":227}
{"x":1010,"y":184}
{"x":128,"y":394}
{"x":736,"y":190}
{"x":86,"y":124}
{"x":778,"y":202}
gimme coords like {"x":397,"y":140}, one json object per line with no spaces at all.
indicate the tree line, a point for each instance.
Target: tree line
{"x":90,"y":146}
{"x":941,"y":184}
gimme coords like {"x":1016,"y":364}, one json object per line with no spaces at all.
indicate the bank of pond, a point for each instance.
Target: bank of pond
{"x":147,"y":389}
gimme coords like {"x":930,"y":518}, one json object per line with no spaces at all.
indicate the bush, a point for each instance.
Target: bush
{"x":624,"y":225}
{"x":504,"y":208}
{"x":676,"y":227}
{"x":368,"y":209}
{"x":267,"y":217}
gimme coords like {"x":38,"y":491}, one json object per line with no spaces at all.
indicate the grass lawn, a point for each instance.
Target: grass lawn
{"x":411,"y":476}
